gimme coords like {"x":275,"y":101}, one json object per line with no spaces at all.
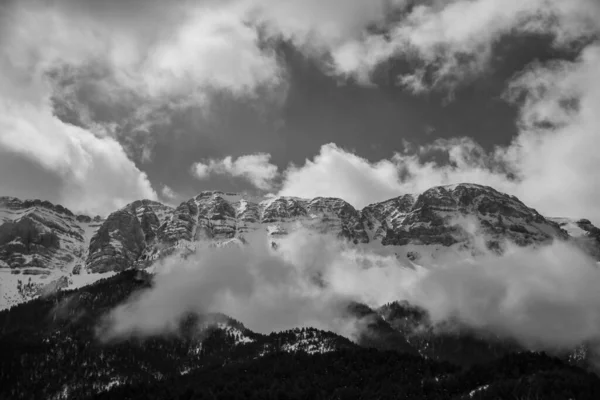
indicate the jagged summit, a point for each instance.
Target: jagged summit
{"x":48,"y":242}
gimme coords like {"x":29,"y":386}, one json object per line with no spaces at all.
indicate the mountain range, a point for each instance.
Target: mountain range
{"x":60,"y":273}
{"x":45,"y":246}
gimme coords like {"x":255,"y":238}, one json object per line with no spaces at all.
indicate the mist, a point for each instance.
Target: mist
{"x":545,"y":297}
{"x":307,"y":281}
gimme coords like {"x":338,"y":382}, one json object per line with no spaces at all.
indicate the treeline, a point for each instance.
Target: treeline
{"x":371,"y":374}
{"x":49,"y":350}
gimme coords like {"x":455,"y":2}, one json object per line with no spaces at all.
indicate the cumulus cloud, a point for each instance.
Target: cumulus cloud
{"x":255,"y":168}
{"x":153,"y":52}
{"x":526,"y":294}
{"x":168,"y":49}
{"x":168,"y":193}
{"x":550,"y":165}
{"x":453,"y":41}
{"x":94,"y":172}
{"x":552,"y":171}
{"x":156,"y":49}
{"x":267,"y":290}
{"x":335,"y":172}
{"x":111,"y":66}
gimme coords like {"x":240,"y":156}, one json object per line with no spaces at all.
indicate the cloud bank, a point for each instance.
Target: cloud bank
{"x":526,"y":294}
{"x":255,"y":168}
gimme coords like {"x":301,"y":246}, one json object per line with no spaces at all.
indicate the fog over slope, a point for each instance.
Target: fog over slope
{"x":545,"y":297}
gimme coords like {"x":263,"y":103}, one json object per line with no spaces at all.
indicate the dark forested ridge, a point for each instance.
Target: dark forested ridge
{"x":49,"y":350}
{"x":372,"y":374}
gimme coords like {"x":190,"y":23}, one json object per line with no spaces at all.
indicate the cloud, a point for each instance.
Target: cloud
{"x":168,"y":193}
{"x":335,"y":172}
{"x":113,"y":69}
{"x":255,"y":168}
{"x":550,"y":170}
{"x":155,"y":49}
{"x":526,"y":294}
{"x":453,"y":41}
{"x":132,"y":58}
{"x":267,"y":290}
{"x":163,"y":52}
{"x":95,"y":174}
{"x":553,"y":155}
{"x":150,"y":53}
{"x":550,"y":165}
{"x":91,"y":169}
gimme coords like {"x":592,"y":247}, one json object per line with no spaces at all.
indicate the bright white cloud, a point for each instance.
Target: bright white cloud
{"x":168,"y":193}
{"x":255,"y":168}
{"x":551,"y":164}
{"x":335,"y":172}
{"x":454,"y":40}
{"x":554,"y":172}
{"x":167,"y":50}
{"x":192,"y":46}
{"x":557,"y":166}
{"x":525,"y":294}
{"x":95,"y":173}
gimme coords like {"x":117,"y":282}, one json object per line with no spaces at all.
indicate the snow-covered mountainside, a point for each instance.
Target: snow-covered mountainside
{"x":583,"y":233}
{"x":44,"y":247}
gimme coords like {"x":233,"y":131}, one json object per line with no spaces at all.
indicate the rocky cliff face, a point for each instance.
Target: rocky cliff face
{"x":117,"y":244}
{"x":583,"y":233}
{"x":39,"y":243}
{"x":452,"y":214}
{"x":37,"y":237}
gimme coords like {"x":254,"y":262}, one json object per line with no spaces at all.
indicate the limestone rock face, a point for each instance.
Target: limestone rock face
{"x":583,"y":233}
{"x":387,"y":215}
{"x":216,"y":218}
{"x":591,"y":231}
{"x":26,"y":243}
{"x":445,"y":215}
{"x":181,"y":225}
{"x":117,"y":244}
{"x":283,"y":209}
{"x":39,"y":235}
{"x":47,"y":241}
{"x":336,"y":215}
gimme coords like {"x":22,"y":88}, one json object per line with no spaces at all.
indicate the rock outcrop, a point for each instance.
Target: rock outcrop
{"x":39,"y":238}
{"x":117,"y":244}
{"x":454,"y":214}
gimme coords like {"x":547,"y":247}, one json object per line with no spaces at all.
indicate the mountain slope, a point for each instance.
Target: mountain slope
{"x":50,"y":349}
{"x":45,"y":246}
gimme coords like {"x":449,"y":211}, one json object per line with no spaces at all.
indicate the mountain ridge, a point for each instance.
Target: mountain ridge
{"x":47,"y":243}
{"x":51,"y":349}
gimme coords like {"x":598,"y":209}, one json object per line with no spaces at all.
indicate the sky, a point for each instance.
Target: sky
{"x":103,"y":103}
